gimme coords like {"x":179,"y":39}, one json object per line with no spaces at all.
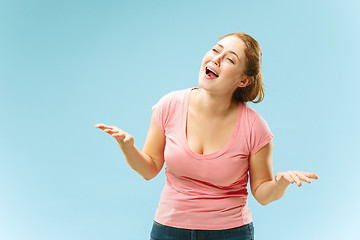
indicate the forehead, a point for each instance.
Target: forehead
{"x":234,"y":44}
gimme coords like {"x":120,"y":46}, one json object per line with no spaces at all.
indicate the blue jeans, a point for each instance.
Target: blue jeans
{"x":162,"y":232}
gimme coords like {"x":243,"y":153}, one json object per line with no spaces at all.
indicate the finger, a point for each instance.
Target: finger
{"x":296,"y":179}
{"x":118,"y":136}
{"x":288,"y":178}
{"x":311,"y":175}
{"x":278,"y":177}
{"x":121,"y":135}
{"x":101,"y":126}
{"x":111,"y":131}
{"x":303,"y":177}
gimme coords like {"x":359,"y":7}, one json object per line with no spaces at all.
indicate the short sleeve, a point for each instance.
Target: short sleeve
{"x":161,"y":111}
{"x":260,"y":134}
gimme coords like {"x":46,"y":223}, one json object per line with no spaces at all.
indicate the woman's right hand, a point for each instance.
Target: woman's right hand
{"x":123,"y":138}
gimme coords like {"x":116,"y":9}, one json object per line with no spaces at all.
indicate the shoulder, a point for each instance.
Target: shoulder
{"x":171,"y":101}
{"x":254,"y":119}
{"x":168,"y":106}
{"x":250,"y":113}
{"x":174,"y":97}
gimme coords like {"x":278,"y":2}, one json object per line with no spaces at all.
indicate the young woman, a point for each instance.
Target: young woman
{"x":211,"y":140}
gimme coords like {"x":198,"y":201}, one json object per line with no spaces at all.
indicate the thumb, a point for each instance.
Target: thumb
{"x":277,"y":177}
{"x":127,"y":138}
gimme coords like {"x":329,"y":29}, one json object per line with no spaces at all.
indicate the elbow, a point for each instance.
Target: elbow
{"x":260,"y":199}
{"x":148,"y":177}
{"x":263,"y":203}
{"x":267,"y":201}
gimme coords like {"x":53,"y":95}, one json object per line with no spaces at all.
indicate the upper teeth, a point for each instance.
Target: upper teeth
{"x":212,"y":71}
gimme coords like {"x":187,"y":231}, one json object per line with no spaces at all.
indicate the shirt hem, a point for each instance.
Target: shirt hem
{"x":204,"y":227}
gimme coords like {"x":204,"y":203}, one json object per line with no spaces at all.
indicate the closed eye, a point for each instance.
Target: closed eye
{"x":230,"y":60}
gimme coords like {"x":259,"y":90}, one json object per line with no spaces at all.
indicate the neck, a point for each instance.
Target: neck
{"x":215,"y":105}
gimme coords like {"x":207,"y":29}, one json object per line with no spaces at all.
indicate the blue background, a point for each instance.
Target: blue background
{"x":67,"y":65}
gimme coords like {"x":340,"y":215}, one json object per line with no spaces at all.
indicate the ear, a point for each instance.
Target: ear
{"x":245,"y":81}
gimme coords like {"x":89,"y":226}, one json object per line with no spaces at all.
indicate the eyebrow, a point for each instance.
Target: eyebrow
{"x":229,"y":51}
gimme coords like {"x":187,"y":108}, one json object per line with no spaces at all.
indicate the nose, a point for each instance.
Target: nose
{"x":216,"y":62}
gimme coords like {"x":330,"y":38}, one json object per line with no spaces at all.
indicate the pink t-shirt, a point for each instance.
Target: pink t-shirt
{"x":206,"y":191}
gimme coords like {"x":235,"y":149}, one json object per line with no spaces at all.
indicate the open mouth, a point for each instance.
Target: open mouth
{"x":210,"y":73}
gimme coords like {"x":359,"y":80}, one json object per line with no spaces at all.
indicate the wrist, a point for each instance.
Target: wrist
{"x":282,"y":183}
{"x":125,"y":146}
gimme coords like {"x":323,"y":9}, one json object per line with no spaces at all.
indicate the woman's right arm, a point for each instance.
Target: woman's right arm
{"x":148,"y":162}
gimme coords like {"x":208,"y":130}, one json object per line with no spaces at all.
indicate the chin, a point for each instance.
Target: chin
{"x":204,"y":86}
{"x":202,"y":82}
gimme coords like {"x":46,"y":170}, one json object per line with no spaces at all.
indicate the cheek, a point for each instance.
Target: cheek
{"x":232,"y":75}
{"x":207,"y":57}
{"x":205,"y":60}
{"x":237,"y":70}
{"x":232,"y":70}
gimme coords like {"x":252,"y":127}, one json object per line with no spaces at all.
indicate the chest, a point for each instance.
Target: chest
{"x":207,"y":135}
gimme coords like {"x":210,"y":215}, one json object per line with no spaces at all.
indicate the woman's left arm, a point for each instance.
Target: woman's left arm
{"x":266,"y":188}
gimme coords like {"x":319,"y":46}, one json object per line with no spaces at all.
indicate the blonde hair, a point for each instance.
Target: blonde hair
{"x":252,"y":68}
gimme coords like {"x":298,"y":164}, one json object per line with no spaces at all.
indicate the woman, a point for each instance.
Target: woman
{"x":211,"y":140}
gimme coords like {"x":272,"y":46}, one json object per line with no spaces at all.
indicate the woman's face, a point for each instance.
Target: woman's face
{"x":222,"y":68}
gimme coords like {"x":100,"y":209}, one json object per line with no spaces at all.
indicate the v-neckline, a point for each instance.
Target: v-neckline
{"x":220,"y":151}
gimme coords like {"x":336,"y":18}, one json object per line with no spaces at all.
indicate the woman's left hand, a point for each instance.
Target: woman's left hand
{"x":295,"y":176}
